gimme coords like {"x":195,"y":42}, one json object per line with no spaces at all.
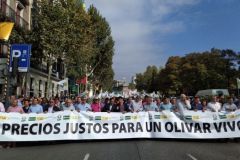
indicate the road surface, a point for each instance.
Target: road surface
{"x":126,"y":150}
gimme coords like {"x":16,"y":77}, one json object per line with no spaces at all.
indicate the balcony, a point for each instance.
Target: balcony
{"x":43,"y":69}
{"x":12,"y":15}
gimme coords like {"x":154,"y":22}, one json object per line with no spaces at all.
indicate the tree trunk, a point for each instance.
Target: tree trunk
{"x":49,"y":78}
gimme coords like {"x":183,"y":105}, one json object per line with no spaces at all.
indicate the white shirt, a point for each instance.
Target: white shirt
{"x":50,"y":109}
{"x":2,"y":109}
{"x":137,"y":106}
{"x":229,"y":107}
{"x":183,"y":107}
{"x":68,"y":108}
{"x":214,"y":106}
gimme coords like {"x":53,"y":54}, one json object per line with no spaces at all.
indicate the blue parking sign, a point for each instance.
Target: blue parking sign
{"x":22,"y":52}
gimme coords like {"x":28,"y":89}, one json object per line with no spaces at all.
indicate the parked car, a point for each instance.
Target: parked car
{"x":212,"y":92}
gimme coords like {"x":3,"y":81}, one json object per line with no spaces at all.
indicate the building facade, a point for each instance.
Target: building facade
{"x":34,"y":82}
{"x":17,"y":11}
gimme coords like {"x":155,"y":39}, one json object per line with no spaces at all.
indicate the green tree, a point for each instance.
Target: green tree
{"x":101,"y":61}
{"x":195,"y":71}
{"x":48,"y":33}
{"x":148,"y":80}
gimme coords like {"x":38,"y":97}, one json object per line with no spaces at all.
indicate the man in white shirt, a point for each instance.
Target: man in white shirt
{"x":230,"y":106}
{"x":137,"y":105}
{"x":214,"y":105}
{"x":183,"y":104}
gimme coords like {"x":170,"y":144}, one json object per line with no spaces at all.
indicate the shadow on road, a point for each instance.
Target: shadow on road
{"x":42,"y":143}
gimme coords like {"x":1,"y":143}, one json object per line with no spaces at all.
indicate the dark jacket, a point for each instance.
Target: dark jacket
{"x":128,"y":107}
{"x":55,"y":108}
{"x":116,"y":108}
{"x":106,"y":108}
{"x":26,"y":109}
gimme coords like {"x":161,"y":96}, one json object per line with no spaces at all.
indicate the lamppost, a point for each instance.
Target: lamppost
{"x":5,"y":32}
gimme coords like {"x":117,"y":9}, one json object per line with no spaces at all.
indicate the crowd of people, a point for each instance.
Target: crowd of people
{"x":120,"y":104}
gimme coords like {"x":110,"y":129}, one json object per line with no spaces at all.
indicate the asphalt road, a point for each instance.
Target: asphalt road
{"x":127,"y":150}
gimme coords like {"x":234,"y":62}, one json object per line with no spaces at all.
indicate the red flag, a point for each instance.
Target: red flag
{"x":84,"y":80}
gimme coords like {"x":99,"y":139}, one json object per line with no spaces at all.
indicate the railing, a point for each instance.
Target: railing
{"x":43,"y":68}
{"x":39,"y":67}
{"x":12,"y":15}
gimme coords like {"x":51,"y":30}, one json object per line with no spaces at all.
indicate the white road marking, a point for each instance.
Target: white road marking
{"x":86,"y":156}
{"x":193,"y":158}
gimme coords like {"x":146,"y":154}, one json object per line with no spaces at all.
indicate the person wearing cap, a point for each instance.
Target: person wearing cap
{"x":214,"y":105}
{"x":95,"y":106}
{"x":149,"y":104}
{"x":229,"y":106}
{"x":83,"y":106}
{"x":183,"y":104}
{"x":196,"y":105}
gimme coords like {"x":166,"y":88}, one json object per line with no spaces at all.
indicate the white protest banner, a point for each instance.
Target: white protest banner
{"x":88,"y":125}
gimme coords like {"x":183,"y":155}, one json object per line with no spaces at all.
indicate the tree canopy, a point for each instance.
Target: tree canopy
{"x":193,"y":72}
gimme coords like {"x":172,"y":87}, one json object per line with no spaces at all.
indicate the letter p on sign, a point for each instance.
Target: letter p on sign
{"x":16,"y":53}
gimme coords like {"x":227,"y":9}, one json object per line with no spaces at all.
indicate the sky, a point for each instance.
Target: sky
{"x":148,"y":32}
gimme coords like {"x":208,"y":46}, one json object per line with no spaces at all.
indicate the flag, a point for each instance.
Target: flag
{"x":32,"y":119}
{"x":156,"y":116}
{"x":127,"y":117}
{"x":98,"y":118}
{"x":84,"y":80}
{"x":62,"y":82}
{"x":66,"y":117}
{"x":222,"y":116}
{"x":5,"y":30}
{"x":238,"y":83}
{"x":188,"y":117}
